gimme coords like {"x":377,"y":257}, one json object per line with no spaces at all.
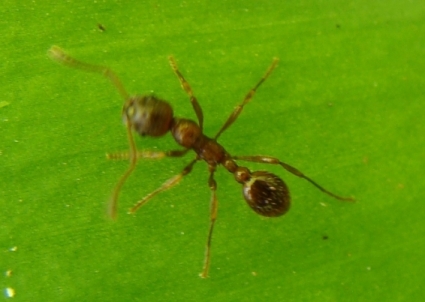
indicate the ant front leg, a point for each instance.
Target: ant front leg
{"x":186,"y":87}
{"x":296,"y":172}
{"x":213,"y":217}
{"x":124,"y":155}
{"x":166,"y":185}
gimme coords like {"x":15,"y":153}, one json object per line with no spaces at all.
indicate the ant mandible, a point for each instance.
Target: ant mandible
{"x":148,"y":115}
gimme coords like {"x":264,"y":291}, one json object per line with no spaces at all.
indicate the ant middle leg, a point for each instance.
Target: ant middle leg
{"x":147,"y":154}
{"x":186,"y":87}
{"x":213,"y":217}
{"x":234,"y":115}
{"x":133,"y":155}
{"x":166,"y":185}
{"x":296,"y":172}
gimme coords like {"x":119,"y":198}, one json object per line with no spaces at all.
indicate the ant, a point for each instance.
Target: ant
{"x":148,"y":115}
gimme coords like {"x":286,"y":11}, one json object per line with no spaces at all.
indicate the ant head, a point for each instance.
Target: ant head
{"x":148,"y":115}
{"x":266,"y":194}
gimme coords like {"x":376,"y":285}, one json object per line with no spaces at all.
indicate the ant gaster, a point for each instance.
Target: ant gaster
{"x":148,"y":115}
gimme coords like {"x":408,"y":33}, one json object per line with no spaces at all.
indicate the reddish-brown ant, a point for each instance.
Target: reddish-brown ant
{"x":148,"y":115}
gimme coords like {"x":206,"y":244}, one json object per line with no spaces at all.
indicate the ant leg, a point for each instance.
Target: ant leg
{"x":166,"y":185}
{"x":147,"y":154}
{"x":296,"y":172}
{"x":186,"y":87}
{"x":213,"y":217}
{"x":57,"y":54}
{"x":232,"y":118}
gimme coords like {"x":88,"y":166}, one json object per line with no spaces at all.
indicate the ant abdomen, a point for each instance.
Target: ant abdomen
{"x":266,"y":194}
{"x":148,"y":115}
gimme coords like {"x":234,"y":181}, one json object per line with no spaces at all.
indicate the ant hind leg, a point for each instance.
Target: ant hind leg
{"x":213,"y":217}
{"x":296,"y":172}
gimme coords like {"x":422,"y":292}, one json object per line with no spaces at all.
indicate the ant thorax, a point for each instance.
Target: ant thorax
{"x":188,"y":134}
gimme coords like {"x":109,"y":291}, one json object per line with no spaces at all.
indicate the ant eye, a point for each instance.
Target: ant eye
{"x":266,"y":194}
{"x":130,"y":111}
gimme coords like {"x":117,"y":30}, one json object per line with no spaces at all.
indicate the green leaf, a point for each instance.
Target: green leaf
{"x":344,"y":105}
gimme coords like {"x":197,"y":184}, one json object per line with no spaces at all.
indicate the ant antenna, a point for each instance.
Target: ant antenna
{"x":58,"y":55}
{"x":112,"y":208}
